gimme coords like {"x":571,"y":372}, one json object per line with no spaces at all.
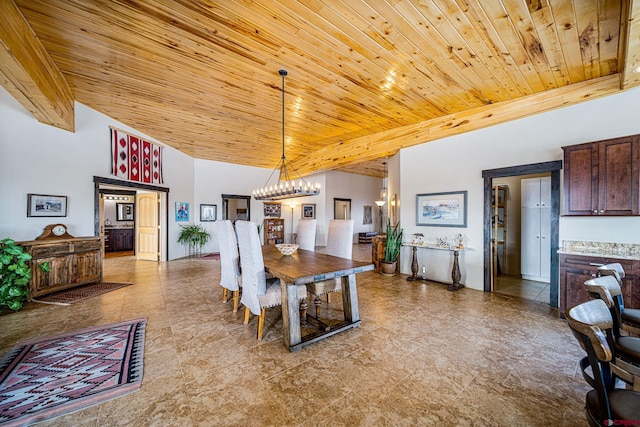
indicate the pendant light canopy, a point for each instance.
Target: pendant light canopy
{"x":286,"y":187}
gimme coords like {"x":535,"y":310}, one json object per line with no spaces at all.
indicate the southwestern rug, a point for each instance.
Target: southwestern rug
{"x":47,"y":377}
{"x":81,"y":293}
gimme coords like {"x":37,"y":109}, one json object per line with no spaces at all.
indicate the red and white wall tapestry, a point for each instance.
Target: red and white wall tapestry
{"x":135,"y":159}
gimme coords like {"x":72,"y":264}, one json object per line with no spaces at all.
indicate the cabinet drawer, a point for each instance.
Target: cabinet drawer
{"x":88,"y":245}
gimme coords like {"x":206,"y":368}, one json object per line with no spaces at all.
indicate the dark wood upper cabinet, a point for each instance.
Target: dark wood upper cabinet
{"x":602,"y":178}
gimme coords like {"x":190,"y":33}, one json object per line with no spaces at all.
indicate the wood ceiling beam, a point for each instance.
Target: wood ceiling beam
{"x":631,"y":54}
{"x":29,"y":74}
{"x":387,"y":143}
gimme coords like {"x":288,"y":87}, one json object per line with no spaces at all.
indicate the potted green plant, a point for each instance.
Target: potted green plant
{"x":194,"y":236}
{"x":15,"y":273}
{"x":392,"y":249}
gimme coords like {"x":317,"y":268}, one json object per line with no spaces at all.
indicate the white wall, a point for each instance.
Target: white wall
{"x":362,"y":190}
{"x":457,"y":162}
{"x":42,"y":159}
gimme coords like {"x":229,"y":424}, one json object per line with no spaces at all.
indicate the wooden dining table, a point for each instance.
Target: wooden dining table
{"x":305,"y":267}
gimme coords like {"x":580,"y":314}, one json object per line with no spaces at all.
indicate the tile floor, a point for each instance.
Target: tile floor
{"x":518,"y":287}
{"x":422,"y":357}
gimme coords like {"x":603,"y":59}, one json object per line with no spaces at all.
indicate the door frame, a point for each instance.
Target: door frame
{"x":97,"y":181}
{"x":554,"y":167}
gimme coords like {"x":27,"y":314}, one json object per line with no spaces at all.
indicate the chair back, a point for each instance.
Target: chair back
{"x":590,"y":323}
{"x":340,"y":238}
{"x":307,"y":234}
{"x":608,"y":290}
{"x":254,"y":278}
{"x":229,"y":258}
{"x":615,"y":269}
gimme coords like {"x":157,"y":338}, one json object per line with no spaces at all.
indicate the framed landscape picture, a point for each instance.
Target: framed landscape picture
{"x":442,"y":209}
{"x":46,"y":205}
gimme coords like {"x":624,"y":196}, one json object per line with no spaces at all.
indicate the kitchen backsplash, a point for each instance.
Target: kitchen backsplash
{"x":621,"y":250}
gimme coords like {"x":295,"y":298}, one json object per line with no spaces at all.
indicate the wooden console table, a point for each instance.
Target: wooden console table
{"x":455,"y":271}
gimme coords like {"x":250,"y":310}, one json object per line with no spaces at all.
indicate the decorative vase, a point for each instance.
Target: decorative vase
{"x":388,"y":268}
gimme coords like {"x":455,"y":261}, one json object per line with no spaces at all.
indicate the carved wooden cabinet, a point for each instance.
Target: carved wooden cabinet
{"x":378,"y":244}
{"x":576,"y":269}
{"x":72,"y":262}
{"x":602,"y":178}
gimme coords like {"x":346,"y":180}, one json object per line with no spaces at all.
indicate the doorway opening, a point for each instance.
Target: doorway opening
{"x":235,"y":207}
{"x":493,"y":276}
{"x":145,"y":214}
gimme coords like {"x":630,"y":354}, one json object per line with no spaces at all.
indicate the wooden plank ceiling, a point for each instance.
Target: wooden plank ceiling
{"x":366,"y":77}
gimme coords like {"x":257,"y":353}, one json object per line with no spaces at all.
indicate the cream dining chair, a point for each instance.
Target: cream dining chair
{"x":339,"y":244}
{"x":258,"y":292}
{"x":306,"y":236}
{"x":230,"y":278}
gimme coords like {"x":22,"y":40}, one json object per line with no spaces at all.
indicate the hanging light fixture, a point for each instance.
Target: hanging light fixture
{"x":286,"y":187}
{"x":383,"y":197}
{"x":383,"y":192}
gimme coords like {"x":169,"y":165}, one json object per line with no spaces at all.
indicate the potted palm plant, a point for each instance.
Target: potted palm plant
{"x":194,"y":236}
{"x":391,"y":249}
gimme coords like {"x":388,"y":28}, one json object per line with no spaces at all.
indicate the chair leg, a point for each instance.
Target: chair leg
{"x":246,"y":315}
{"x":225,"y":295}
{"x":261,"y":323}
{"x":236,"y":300}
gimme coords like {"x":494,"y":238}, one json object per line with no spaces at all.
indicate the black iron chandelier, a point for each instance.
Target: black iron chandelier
{"x":287,"y":186}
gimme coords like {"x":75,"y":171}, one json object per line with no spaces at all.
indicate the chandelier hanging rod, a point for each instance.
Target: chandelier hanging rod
{"x":286,"y":186}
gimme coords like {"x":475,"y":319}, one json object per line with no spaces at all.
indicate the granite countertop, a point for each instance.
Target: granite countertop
{"x":601,"y":249}
{"x":118,"y":227}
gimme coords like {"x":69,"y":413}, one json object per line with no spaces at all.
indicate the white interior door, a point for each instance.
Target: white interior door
{"x":147,"y":222}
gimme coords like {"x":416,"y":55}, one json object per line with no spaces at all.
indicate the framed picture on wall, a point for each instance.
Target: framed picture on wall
{"x":182,"y":211}
{"x":273,"y":210}
{"x":442,"y":209}
{"x":46,"y":205}
{"x":208,"y":213}
{"x":308,"y":210}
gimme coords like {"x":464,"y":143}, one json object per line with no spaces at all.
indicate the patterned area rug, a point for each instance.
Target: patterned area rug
{"x":71,"y":296}
{"x":48,"y":377}
{"x":210,"y":256}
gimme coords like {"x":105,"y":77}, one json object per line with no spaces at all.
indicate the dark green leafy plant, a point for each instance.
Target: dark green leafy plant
{"x":15,"y":273}
{"x":394,"y":242}
{"x":194,"y":237}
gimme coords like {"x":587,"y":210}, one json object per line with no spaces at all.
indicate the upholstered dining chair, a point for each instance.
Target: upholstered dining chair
{"x":306,"y":236}
{"x":258,"y":292}
{"x":339,"y":244}
{"x":589,"y":323}
{"x":229,"y":262}
{"x":628,"y":318}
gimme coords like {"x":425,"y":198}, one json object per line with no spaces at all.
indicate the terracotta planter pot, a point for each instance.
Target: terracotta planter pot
{"x":388,"y":268}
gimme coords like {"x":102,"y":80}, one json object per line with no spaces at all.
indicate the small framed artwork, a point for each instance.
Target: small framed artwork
{"x":208,"y":213}
{"x":182,"y":211}
{"x":308,"y":210}
{"x":442,"y":209}
{"x":272,"y":210}
{"x":46,"y":205}
{"x":367,"y":218}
